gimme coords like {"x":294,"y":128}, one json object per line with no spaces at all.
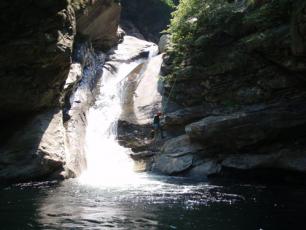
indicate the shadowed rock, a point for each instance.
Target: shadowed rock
{"x":37,"y":151}
{"x":286,"y":159}
{"x":209,"y":167}
{"x":245,"y":129}
{"x":37,"y":55}
{"x":169,"y":165}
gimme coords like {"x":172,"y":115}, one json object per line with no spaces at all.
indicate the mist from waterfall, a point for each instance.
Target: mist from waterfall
{"x":108,"y":163}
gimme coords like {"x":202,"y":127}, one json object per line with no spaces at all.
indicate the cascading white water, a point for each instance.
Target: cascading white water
{"x":108,"y":163}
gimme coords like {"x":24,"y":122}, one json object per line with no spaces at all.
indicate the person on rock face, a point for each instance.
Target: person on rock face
{"x":157,"y":127}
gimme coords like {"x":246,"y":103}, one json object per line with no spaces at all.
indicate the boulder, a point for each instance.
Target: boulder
{"x":144,"y":81}
{"x":179,"y":146}
{"x":245,"y":129}
{"x":170,"y":165}
{"x":209,"y":167}
{"x":143,"y":165}
{"x":37,"y":151}
{"x":177,"y":155}
{"x":286,"y":159}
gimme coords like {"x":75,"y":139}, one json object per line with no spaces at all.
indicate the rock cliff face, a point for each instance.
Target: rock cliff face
{"x":143,"y":14}
{"x":99,"y":28}
{"x":36,"y":45}
{"x":37,"y":42}
{"x":244,"y":80}
{"x":237,"y":97}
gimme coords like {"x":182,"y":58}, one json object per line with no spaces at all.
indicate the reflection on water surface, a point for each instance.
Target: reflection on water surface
{"x":153,"y":203}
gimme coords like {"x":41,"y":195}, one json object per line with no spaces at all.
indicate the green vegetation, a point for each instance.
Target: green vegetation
{"x":190,"y":21}
{"x":217,"y":42}
{"x":199,"y":26}
{"x":170,"y":3}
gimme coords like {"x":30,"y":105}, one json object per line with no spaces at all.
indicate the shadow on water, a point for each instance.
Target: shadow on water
{"x":156,"y":202}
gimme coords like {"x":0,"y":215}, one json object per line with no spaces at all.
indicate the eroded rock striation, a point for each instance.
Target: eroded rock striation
{"x":246,"y":76}
{"x":42,"y":65}
{"x":239,"y":92}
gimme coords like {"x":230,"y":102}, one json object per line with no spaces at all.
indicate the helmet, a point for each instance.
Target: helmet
{"x":159,"y":113}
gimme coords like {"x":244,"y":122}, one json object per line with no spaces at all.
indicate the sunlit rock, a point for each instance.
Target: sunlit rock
{"x":99,"y":22}
{"x":163,"y":43}
{"x":171,"y":165}
{"x":37,"y":151}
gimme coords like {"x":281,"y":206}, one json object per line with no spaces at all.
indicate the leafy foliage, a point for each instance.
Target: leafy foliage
{"x":196,"y":24}
{"x":170,"y":3}
{"x":189,"y":22}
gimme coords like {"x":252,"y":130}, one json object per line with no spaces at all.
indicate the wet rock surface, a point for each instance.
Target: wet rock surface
{"x":242,"y":98}
{"x":36,"y":151}
{"x":237,"y":101}
{"x":169,"y":165}
{"x":242,"y":87}
{"x":39,"y":72}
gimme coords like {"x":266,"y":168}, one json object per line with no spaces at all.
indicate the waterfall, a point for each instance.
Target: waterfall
{"x":108,"y":163}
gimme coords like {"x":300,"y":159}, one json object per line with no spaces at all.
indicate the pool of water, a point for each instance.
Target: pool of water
{"x":154,"y":202}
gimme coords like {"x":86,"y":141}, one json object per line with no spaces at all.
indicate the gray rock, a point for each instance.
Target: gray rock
{"x":285,"y":159}
{"x":249,"y":161}
{"x":172,"y":165}
{"x":143,"y":165}
{"x":142,"y":96}
{"x":142,"y":155}
{"x":163,"y":43}
{"x":150,"y":16}
{"x":35,"y":77}
{"x":35,"y":57}
{"x":180,"y":146}
{"x":187,"y":115}
{"x":99,"y":22}
{"x":205,"y":169}
{"x":243,"y":129}
{"x":37,"y":151}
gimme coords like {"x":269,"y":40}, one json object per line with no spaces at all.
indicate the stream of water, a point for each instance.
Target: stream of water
{"x":109,"y":195}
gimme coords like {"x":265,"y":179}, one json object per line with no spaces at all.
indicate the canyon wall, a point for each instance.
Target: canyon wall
{"x":42,"y":65}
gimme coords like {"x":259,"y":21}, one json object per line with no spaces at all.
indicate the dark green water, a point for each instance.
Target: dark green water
{"x":157,"y":203}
